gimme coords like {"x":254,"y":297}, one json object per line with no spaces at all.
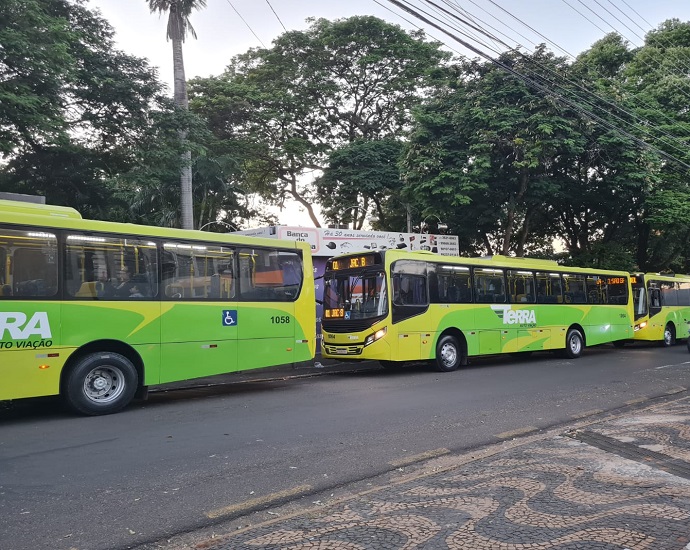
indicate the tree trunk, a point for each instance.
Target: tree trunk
{"x":524,"y":233}
{"x":296,"y":195}
{"x":181,"y":101}
{"x":513,"y":203}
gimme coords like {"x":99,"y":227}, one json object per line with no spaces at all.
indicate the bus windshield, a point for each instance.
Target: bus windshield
{"x":360,"y":295}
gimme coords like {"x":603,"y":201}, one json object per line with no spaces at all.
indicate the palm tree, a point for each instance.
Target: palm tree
{"x":178,"y":26}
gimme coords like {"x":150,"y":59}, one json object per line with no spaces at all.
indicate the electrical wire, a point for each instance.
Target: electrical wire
{"x":533,"y":83}
{"x":646,"y":125}
{"x":247,"y":24}
{"x":274,"y":13}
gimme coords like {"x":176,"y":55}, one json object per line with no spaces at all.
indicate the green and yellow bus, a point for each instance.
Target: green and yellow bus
{"x":97,"y":311}
{"x":395,"y":306}
{"x":662,"y":306}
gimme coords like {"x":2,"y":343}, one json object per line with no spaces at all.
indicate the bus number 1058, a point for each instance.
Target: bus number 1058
{"x":280,"y":319}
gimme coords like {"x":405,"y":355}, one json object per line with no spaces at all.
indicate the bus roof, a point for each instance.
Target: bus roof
{"x":37,"y":209}
{"x":487,"y":261}
{"x":62,"y":217}
{"x":665,"y":276}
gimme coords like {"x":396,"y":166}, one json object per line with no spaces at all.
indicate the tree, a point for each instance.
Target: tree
{"x":151,"y":185}
{"x":178,"y":27}
{"x":366,"y":172}
{"x":313,"y":92}
{"x":33,"y":60}
{"x":72,"y":107}
{"x":481,"y":151}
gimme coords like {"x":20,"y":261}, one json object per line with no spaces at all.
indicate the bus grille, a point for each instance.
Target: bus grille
{"x":342,"y":327}
{"x":334,"y":349}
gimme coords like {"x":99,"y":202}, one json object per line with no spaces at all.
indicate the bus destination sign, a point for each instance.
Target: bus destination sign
{"x":352,"y":262}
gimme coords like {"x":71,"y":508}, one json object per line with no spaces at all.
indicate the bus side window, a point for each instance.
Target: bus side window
{"x":488,"y":285}
{"x":520,"y":286}
{"x":549,"y":288}
{"x":684,"y":294}
{"x":405,"y":294}
{"x":29,"y":266}
{"x":654,"y":300}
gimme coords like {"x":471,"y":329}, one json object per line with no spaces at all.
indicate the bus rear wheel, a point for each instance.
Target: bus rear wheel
{"x":669,"y":335}
{"x":449,"y":354}
{"x":101,"y":383}
{"x":574,"y":344}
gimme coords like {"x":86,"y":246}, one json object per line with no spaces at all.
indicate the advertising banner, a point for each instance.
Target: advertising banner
{"x":327,"y":242}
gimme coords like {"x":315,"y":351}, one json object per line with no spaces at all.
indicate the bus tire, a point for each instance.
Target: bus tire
{"x":574,"y":344}
{"x":449,"y":354}
{"x":100,"y":383}
{"x":669,"y":335}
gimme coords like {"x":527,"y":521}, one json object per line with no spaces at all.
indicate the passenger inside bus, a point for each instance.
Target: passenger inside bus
{"x":123,"y":284}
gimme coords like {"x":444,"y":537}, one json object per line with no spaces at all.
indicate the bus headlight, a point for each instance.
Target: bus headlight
{"x":376,"y":336}
{"x":640,"y":326}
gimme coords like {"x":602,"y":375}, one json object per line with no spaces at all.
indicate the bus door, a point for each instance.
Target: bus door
{"x":656,"y":321}
{"x":410,"y":300}
{"x":30,"y":313}
{"x":493,"y":330}
{"x":199,"y":312}
{"x":269,"y":282}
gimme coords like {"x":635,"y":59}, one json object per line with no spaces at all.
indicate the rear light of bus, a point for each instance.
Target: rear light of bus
{"x":376,"y":336}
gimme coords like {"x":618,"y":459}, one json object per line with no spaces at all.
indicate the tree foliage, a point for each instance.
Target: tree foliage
{"x":589,"y":153}
{"x":313,"y":92}
{"x":72,"y":107}
{"x":361,"y":117}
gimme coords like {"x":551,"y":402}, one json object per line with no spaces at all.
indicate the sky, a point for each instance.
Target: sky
{"x":229,"y":27}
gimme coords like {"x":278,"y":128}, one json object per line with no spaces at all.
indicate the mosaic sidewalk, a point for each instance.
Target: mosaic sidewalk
{"x":628,"y":489}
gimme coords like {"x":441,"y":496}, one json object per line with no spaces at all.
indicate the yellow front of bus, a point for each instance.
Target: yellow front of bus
{"x":662,"y":307}
{"x":356,"y":322}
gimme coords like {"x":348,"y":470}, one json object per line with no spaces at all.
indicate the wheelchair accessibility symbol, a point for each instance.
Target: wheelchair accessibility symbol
{"x":229,"y":317}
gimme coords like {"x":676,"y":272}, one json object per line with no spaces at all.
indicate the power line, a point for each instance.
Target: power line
{"x":684,"y":68}
{"x":646,"y":125}
{"x":666,"y":42}
{"x":247,"y":24}
{"x":531,"y":82}
{"x":274,"y":13}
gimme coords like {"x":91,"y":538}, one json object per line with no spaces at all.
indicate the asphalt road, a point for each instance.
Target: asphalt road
{"x":191,"y":457}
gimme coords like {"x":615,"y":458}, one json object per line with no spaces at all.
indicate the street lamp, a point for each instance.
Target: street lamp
{"x":225,"y":224}
{"x":440,"y":226}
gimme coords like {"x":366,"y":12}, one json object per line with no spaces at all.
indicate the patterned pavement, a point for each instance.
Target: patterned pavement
{"x":622,"y":483}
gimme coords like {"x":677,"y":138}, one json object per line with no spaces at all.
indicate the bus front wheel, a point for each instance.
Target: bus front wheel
{"x":100,"y":383}
{"x":449,"y":354}
{"x":574,"y":344}
{"x":669,"y":335}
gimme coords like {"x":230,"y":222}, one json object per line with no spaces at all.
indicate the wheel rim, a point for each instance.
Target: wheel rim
{"x":668,"y":336}
{"x":575,"y":344}
{"x":449,"y":355}
{"x":104,"y":384}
